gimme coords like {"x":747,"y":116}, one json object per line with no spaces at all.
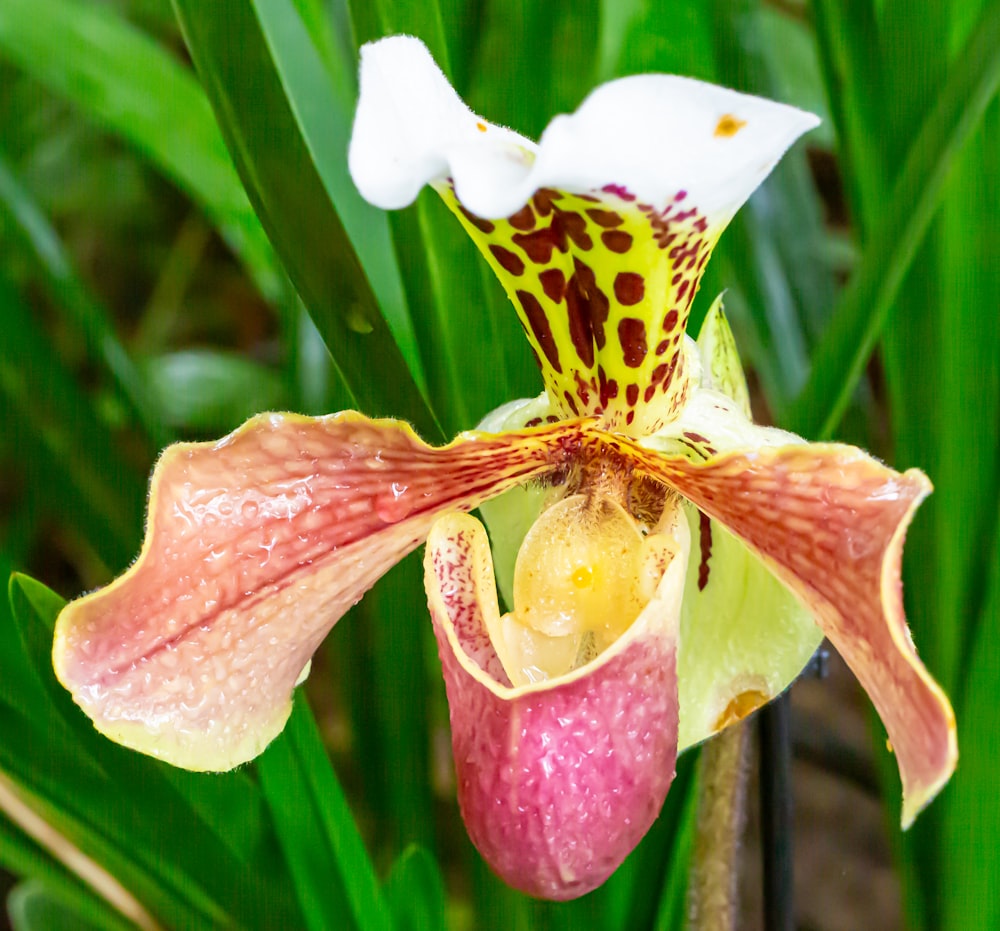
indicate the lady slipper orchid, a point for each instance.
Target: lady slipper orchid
{"x":668,"y":565}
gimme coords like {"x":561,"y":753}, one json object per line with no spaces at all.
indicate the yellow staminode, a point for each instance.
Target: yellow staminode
{"x":584,"y":573}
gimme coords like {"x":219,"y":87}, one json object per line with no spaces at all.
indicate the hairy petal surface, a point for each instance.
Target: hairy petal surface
{"x":601,"y":232}
{"x":829,"y":521}
{"x":255,"y":546}
{"x":559,"y":780}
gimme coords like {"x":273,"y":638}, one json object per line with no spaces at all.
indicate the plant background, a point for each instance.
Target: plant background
{"x":148,"y":294}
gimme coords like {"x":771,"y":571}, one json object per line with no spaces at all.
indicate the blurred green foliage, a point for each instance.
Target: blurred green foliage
{"x":181,"y":247}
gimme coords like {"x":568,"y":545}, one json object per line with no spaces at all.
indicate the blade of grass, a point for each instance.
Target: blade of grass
{"x":847,"y":34}
{"x":90,"y":55}
{"x":256,"y":60}
{"x":317,"y":830}
{"x":34,"y":907}
{"x":69,"y":433}
{"x":188,"y":844}
{"x":415,"y":892}
{"x":972,"y":813}
{"x":73,"y":300}
{"x":22,"y":856}
{"x":864,"y":306}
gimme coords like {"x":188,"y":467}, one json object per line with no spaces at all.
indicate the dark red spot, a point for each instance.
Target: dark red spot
{"x":617,"y":240}
{"x":575,"y":228}
{"x":629,"y":417}
{"x":534,"y":422}
{"x":659,"y":373}
{"x":538,"y":245}
{"x":632,"y":336}
{"x":662,"y":347}
{"x":508,"y":260}
{"x":484,"y":226}
{"x":540,"y":328}
{"x":629,"y":288}
{"x":647,"y":395}
{"x":571,"y":402}
{"x":632,"y":395}
{"x":524,"y":219}
{"x":705,"y":533}
{"x":682,"y":290}
{"x":587,"y":311}
{"x":607,"y":218}
{"x":679,"y":196}
{"x":607,"y":388}
{"x":543,"y":200}
{"x":695,"y":437}
{"x":553,"y":284}
{"x":670,"y":321}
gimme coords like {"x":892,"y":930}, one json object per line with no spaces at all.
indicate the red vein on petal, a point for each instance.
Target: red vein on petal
{"x":830,"y":521}
{"x":256,"y":545}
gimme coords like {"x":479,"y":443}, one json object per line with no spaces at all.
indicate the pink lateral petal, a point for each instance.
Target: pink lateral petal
{"x":830,"y":521}
{"x":255,"y":546}
{"x":557,"y":781}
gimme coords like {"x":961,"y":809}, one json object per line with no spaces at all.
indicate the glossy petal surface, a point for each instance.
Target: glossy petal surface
{"x":559,"y":780}
{"x":256,"y":546}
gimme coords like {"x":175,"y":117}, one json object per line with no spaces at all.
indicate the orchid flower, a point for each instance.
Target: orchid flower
{"x":668,"y":565}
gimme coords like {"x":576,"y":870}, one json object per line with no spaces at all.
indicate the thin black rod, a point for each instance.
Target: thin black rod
{"x":776,"y":808}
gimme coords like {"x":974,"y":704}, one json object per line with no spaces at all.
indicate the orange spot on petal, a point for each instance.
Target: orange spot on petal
{"x":583,"y":576}
{"x":729,"y":125}
{"x":481,"y":127}
{"x":739,"y":707}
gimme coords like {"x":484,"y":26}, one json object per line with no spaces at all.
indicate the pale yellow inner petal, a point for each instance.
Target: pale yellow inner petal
{"x":584,"y":573}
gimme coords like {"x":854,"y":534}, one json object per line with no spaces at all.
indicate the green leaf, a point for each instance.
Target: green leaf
{"x":972,"y":814}
{"x":19,"y":686}
{"x":95,"y":487}
{"x":333,"y":877}
{"x":212,"y":392}
{"x":287,"y":126}
{"x":378,"y":18}
{"x":23,"y":856}
{"x":191,"y":847}
{"x":415,"y":892}
{"x":73,"y":300}
{"x":90,"y":55}
{"x":865,"y":305}
{"x":34,"y":907}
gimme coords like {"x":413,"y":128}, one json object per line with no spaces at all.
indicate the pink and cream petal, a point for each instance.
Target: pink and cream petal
{"x":829,"y":522}
{"x":557,"y":780}
{"x":255,"y":546}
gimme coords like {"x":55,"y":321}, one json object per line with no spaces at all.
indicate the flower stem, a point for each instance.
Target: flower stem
{"x":722,"y":781}
{"x":776,"y":814}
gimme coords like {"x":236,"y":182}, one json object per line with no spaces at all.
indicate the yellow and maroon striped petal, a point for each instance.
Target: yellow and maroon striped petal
{"x":255,"y":546}
{"x":829,"y":521}
{"x":601,"y":232}
{"x":560,"y":779}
